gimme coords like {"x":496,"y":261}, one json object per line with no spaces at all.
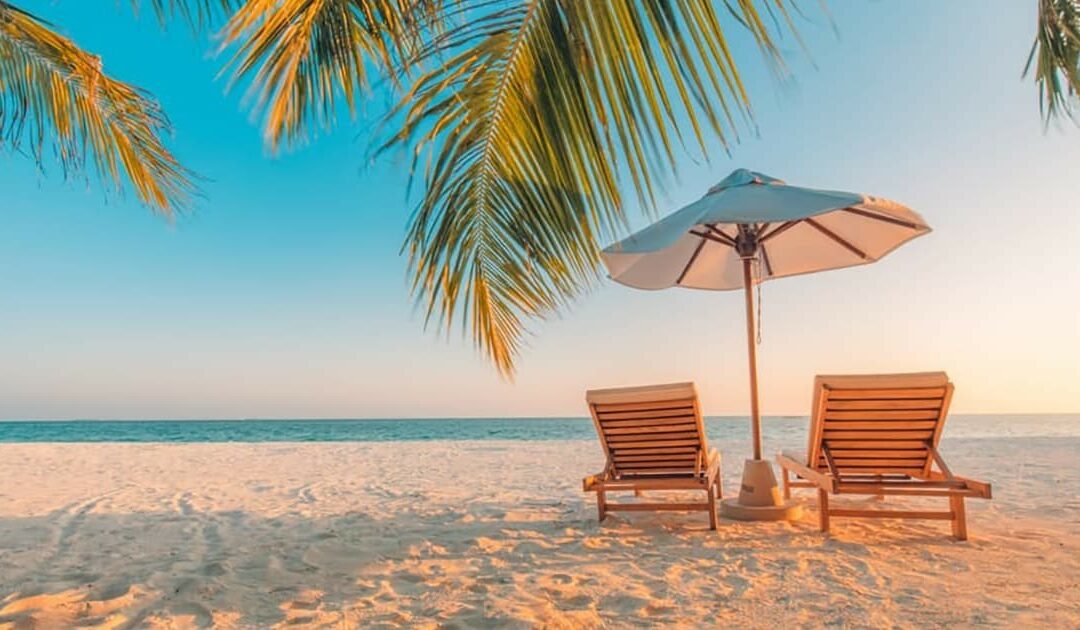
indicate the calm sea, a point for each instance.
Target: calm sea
{"x":784,"y":429}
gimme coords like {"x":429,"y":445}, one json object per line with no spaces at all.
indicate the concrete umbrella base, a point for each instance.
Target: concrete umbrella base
{"x":760,"y":498}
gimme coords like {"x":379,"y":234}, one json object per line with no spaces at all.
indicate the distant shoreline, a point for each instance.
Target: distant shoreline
{"x":721,"y":429}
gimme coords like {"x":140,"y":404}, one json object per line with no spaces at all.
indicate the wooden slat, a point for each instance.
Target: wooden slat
{"x":651,"y":422}
{"x":654,"y":450}
{"x":650,"y":471}
{"x":667,"y":507}
{"x":879,"y":425}
{"x":656,"y":443}
{"x":666,"y":428}
{"x":681,"y":481}
{"x":883,"y":469}
{"x":881,"y":405}
{"x":656,"y":462}
{"x":886,"y":394}
{"x":616,"y":440}
{"x":878,"y":435}
{"x":681,"y":466}
{"x":865,"y":489}
{"x":622,"y":464}
{"x":657,"y":410}
{"x":876,"y":463}
{"x":621,"y":457}
{"x":894,"y":414}
{"x":876,"y":444}
{"x":896,"y":482}
{"x":941,"y":516}
{"x":842,"y":453}
{"x":639,"y":406}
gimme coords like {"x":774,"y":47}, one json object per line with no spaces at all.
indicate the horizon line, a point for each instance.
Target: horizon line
{"x":482,"y":417}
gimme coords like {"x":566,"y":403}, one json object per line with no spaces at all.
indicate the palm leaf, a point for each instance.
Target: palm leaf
{"x":522,"y":127}
{"x":55,"y":99}
{"x":1056,"y":56}
{"x":196,"y":13}
{"x":304,"y":57}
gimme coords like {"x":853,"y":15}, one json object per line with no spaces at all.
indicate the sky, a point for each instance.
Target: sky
{"x":283,"y":294}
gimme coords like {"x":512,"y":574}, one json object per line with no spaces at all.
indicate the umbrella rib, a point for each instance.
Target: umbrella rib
{"x":690,"y":263}
{"x":714,"y":238}
{"x":717,"y":231}
{"x":836,"y":237}
{"x":878,"y":217}
{"x":778,"y":229}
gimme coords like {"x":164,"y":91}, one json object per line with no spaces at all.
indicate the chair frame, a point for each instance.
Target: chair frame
{"x":936,"y":480}
{"x":706,"y":475}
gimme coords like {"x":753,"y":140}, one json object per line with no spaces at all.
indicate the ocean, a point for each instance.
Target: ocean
{"x":778,"y":429}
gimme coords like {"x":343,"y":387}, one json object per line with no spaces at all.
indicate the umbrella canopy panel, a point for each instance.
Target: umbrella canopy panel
{"x":792,"y":230}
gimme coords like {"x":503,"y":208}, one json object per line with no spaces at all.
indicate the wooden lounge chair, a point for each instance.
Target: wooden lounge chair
{"x":654,"y":439}
{"x":878,"y":435}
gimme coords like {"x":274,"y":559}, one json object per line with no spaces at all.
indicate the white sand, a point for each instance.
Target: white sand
{"x":482,"y":533}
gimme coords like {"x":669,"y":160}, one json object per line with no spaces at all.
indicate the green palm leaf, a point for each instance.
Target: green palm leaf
{"x":55,"y":99}
{"x":196,"y":13}
{"x":527,"y":118}
{"x":1056,"y":55}
{"x":306,"y":56}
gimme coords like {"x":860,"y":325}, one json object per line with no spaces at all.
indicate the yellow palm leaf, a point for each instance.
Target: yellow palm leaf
{"x":56,"y":101}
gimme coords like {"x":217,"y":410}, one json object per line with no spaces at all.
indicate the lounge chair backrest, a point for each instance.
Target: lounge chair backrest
{"x":878,"y":423}
{"x":650,"y":430}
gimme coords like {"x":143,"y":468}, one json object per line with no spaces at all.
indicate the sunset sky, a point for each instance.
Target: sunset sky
{"x":284,"y":295}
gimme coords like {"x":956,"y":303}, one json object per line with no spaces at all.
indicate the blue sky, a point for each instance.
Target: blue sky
{"x":283,"y":293}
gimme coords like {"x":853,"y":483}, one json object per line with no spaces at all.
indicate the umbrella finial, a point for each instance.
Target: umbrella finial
{"x":744,"y":177}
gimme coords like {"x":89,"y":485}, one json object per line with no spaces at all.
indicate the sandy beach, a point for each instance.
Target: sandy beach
{"x":465,"y":534}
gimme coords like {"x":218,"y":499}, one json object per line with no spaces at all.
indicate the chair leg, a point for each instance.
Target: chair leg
{"x":601,"y":504}
{"x":785,"y":480}
{"x":719,"y":484}
{"x":959,"y":517}
{"x":823,"y":510}
{"x":712,"y":507}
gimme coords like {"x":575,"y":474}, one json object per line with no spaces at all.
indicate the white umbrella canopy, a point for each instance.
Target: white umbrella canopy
{"x":751,"y":218}
{"x":796,"y":231}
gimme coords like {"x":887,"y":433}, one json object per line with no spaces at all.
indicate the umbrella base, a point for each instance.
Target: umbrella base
{"x":760,"y":498}
{"x":732,"y":509}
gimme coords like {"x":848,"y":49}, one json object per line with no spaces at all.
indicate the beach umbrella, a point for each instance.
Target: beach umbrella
{"x":747,"y":229}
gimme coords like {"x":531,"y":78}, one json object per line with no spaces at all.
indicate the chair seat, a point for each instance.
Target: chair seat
{"x":650,"y":482}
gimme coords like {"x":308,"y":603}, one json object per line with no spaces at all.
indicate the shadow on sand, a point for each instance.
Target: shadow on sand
{"x":482,"y":565}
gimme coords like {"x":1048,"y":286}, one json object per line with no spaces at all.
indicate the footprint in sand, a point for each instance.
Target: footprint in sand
{"x":576,"y":602}
{"x":197,"y":613}
{"x":623,"y":603}
{"x":306,"y":494}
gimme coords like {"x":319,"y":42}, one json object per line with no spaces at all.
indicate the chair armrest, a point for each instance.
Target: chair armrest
{"x":590,"y":482}
{"x":712,"y":463}
{"x":825,"y":481}
{"x":981,"y":487}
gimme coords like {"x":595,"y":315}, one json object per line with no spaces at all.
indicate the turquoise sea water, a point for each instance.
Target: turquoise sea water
{"x":786,"y":429}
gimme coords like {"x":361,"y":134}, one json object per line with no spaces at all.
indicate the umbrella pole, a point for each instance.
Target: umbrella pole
{"x":751,"y":347}
{"x":759,"y":497}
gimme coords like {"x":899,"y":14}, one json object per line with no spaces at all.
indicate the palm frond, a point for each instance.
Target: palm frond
{"x":55,"y":98}
{"x":304,"y":57}
{"x":1056,"y":57}
{"x":196,"y":13}
{"x":523,"y":124}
